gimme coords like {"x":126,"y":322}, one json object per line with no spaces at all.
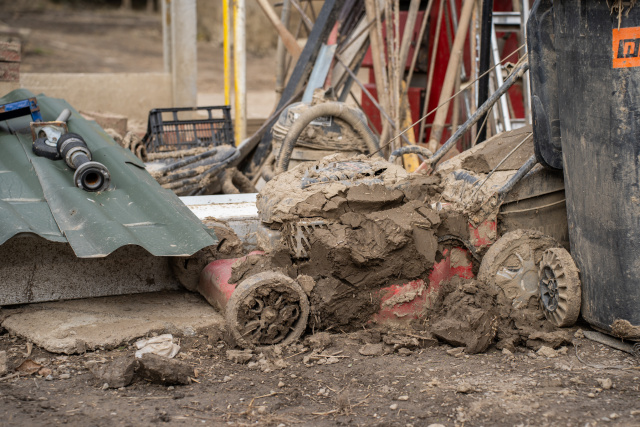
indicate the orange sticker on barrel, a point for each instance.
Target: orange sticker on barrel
{"x":626,"y":47}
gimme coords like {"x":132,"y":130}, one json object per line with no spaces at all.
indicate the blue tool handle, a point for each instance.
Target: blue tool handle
{"x":21,"y":108}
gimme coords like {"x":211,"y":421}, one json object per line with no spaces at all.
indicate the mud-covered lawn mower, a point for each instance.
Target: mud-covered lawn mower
{"x":350,"y":242}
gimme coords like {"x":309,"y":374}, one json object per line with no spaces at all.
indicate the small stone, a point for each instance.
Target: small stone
{"x":332,"y":360}
{"x":464,"y":388}
{"x":239,"y":356}
{"x":3,"y":362}
{"x":117,"y":373}
{"x":393,"y":406}
{"x":372,"y":349}
{"x":64,"y":376}
{"x":579,"y":334}
{"x":319,"y":340}
{"x":507,"y":352}
{"x":592,"y":395}
{"x":605,"y":383}
{"x":48,"y":377}
{"x":162,"y":370}
{"x":403,"y":351}
{"x":105,"y":386}
{"x":261,"y":409}
{"x":280,"y":384}
{"x":403,"y":398}
{"x":614,"y":416}
{"x":226,"y":379}
{"x":634,"y":412}
{"x":456,"y":351}
{"x":45,"y":372}
{"x":547,"y":352}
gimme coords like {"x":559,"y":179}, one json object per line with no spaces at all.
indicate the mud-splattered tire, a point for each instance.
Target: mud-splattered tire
{"x":512,"y":264}
{"x":267,"y":309}
{"x":560,"y":289}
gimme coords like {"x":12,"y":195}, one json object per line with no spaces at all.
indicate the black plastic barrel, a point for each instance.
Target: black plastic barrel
{"x":597,"y":70}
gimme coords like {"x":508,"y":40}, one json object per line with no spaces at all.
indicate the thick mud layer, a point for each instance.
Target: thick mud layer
{"x":353,"y":227}
{"x":475,"y":315}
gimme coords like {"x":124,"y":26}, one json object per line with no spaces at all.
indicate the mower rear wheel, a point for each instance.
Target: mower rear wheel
{"x":560,"y":290}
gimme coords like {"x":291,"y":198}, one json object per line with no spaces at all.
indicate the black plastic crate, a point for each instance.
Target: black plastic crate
{"x":167,"y":131}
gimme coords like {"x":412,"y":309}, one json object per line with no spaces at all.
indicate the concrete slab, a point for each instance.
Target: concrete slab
{"x":237,"y":211}
{"x":102,"y":323}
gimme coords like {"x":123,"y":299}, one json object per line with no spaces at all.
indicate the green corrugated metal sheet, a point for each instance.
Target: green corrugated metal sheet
{"x":37,"y":195}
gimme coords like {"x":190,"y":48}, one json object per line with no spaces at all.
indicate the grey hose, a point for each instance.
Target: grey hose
{"x":335,"y":109}
{"x":410,"y":149}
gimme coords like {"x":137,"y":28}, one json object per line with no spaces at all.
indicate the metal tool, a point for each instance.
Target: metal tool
{"x":89,"y":175}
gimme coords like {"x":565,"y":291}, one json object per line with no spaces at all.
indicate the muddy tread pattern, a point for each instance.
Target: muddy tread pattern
{"x":567,"y":276}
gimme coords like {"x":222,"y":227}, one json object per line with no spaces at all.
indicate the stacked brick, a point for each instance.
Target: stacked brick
{"x":9,"y":62}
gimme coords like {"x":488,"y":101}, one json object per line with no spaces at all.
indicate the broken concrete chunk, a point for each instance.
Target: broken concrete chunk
{"x":239,"y":356}
{"x":161,"y":370}
{"x":117,"y":373}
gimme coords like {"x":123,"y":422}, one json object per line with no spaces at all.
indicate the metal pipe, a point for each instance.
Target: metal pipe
{"x":89,"y":175}
{"x":226,"y":48}
{"x":504,"y":107}
{"x":480,"y":112}
{"x":240,"y":70}
{"x":485,"y":58}
{"x":524,"y":169}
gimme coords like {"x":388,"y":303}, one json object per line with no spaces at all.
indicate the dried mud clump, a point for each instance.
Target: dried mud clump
{"x":474,"y":315}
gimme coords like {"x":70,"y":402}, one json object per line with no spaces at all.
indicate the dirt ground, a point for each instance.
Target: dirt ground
{"x":90,"y":40}
{"x":287,"y":387}
{"x":582,"y":384}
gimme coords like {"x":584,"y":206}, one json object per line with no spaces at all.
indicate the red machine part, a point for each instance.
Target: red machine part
{"x":214,"y":281}
{"x":400,"y":304}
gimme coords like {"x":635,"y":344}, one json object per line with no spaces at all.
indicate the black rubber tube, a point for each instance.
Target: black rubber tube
{"x":184,"y":162}
{"x":335,"y":109}
{"x":411,"y":149}
{"x":485,"y":59}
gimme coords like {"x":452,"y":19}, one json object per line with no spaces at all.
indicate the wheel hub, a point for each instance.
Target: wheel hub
{"x":549,"y":289}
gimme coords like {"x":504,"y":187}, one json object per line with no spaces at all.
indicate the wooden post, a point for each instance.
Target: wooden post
{"x":450,"y":76}
{"x":377,"y":55}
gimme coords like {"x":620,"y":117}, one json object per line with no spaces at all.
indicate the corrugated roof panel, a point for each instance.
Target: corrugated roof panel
{"x":38,"y":195}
